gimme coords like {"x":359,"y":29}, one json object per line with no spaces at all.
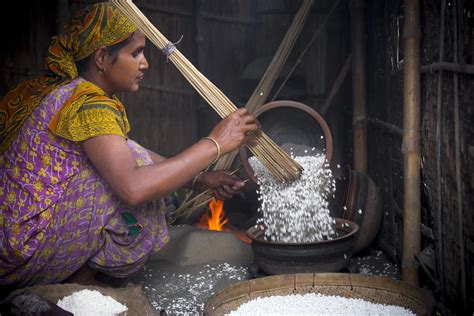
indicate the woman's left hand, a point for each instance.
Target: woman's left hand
{"x":221,"y":182}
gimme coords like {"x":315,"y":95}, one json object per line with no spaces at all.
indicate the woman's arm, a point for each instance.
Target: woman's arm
{"x":157,"y":158}
{"x":114,"y":161}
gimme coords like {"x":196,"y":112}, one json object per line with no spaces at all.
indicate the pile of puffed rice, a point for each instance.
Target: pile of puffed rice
{"x":316,"y":304}
{"x":91,"y":302}
{"x":298,"y":211}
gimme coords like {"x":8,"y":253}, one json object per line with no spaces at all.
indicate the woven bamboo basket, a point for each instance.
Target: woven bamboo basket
{"x":130,"y":296}
{"x":380,"y":290}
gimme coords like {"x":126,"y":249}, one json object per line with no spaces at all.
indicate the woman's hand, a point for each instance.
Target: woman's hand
{"x":221,"y":182}
{"x":231,"y":132}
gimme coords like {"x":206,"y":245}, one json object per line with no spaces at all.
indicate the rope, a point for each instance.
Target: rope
{"x":170,"y":48}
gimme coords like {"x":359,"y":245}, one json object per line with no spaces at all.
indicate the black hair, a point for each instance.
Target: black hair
{"x":113,"y":50}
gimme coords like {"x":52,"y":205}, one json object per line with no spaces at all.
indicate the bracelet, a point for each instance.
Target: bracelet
{"x":193,"y":184}
{"x":218,"y":148}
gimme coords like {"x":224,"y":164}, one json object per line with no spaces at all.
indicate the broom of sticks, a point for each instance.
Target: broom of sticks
{"x":277,"y":161}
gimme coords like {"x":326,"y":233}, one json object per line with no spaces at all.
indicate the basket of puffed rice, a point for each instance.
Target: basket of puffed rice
{"x":321,"y":294}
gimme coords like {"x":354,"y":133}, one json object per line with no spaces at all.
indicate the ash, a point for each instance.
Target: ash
{"x":184,"y":291}
{"x":316,"y":304}
{"x":298,"y":211}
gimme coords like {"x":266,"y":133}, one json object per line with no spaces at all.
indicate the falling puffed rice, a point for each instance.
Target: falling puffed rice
{"x":298,"y":211}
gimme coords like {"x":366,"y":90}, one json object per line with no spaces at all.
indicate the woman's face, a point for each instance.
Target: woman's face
{"x":125,"y":72}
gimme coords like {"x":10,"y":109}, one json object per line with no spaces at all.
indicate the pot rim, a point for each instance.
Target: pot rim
{"x":353,"y":225}
{"x":289,"y":104}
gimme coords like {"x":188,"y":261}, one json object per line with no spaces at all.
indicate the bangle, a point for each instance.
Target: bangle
{"x":193,"y":184}
{"x":218,"y":148}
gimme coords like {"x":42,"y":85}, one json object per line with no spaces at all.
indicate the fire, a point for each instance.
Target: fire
{"x":218,"y":218}
{"x":218,"y":221}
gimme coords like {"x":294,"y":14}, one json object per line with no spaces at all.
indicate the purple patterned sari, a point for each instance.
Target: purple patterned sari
{"x":57,"y":213}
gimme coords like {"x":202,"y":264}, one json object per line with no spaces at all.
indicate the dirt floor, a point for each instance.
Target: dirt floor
{"x":194,"y":265}
{"x":183,"y":289}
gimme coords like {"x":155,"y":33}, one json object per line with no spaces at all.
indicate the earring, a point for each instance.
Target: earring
{"x":100,"y":71}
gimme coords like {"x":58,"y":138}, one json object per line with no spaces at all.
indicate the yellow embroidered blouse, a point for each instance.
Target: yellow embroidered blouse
{"x":90,"y":112}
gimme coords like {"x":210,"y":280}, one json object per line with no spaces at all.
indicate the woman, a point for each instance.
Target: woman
{"x":76,"y":195}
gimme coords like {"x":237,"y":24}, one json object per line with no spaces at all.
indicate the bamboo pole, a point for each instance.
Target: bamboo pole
{"x":336,"y":85}
{"x":388,"y":127}
{"x":458,"y":161}
{"x":359,"y":84}
{"x":439,"y":101}
{"x":411,"y":141}
{"x":447,"y":66}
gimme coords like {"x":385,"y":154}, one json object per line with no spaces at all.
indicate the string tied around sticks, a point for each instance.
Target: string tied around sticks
{"x":280,"y":164}
{"x":170,"y":48}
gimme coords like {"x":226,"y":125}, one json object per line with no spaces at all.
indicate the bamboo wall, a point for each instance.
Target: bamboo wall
{"x":450,"y":225}
{"x":221,"y":38}
{"x":385,"y":92}
{"x":24,"y":44}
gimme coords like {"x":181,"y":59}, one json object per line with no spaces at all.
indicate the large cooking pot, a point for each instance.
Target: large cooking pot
{"x":359,"y":199}
{"x":291,"y":123}
{"x":322,"y":256}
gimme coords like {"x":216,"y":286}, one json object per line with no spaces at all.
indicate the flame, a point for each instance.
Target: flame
{"x":218,"y":218}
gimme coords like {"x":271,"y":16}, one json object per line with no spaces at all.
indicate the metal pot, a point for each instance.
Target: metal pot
{"x":324,"y":256}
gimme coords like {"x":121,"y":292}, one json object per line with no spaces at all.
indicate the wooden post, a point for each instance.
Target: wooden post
{"x":359,"y":84}
{"x":411,"y":141}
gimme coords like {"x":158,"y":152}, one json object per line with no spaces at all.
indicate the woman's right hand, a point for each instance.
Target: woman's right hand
{"x":231,"y":132}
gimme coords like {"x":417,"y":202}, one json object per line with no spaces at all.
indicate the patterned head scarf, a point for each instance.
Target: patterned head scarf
{"x":98,"y":25}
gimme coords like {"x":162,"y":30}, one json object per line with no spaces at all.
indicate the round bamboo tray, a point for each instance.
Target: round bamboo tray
{"x":375,"y":289}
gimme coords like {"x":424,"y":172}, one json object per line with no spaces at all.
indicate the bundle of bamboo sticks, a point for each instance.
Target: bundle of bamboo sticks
{"x":277,"y":161}
{"x":261,"y":92}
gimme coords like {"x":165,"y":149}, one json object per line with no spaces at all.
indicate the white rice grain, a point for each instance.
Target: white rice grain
{"x":316,"y":304}
{"x":87,"y":302}
{"x":298,"y":211}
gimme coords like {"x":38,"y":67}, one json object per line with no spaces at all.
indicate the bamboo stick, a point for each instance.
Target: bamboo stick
{"x":190,"y":205}
{"x":278,"y":162}
{"x":389,"y":127}
{"x":439,"y":225}
{"x":359,"y":84}
{"x":337,"y":84}
{"x":447,"y":66}
{"x":261,"y":92}
{"x":458,"y":162}
{"x":311,"y":41}
{"x":411,"y":142}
